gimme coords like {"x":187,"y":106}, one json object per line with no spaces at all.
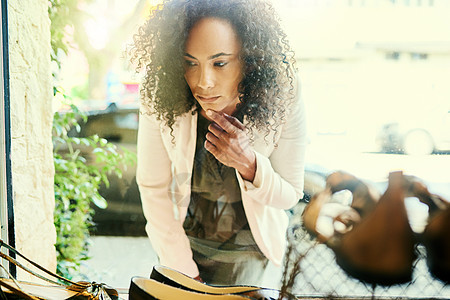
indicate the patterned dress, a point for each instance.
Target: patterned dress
{"x":216,"y":224}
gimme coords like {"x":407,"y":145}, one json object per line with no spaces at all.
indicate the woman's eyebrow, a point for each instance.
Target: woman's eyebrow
{"x":218,"y":55}
{"x":210,"y":57}
{"x":188,"y":55}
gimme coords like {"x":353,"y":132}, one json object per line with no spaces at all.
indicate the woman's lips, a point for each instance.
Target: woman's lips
{"x":207,"y":98}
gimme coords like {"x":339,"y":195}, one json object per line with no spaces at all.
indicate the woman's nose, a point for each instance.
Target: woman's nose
{"x":206,"y":79}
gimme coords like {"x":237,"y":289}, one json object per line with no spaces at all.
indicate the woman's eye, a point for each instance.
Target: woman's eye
{"x":189,"y":63}
{"x":220,"y":64}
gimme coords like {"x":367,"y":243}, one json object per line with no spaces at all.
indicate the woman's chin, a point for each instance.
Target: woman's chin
{"x":211,"y":106}
{"x":216,"y":107}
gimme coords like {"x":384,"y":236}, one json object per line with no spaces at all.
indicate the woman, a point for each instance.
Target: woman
{"x":221,"y":137}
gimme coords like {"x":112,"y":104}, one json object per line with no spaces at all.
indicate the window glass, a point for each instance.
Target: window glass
{"x":374,"y":80}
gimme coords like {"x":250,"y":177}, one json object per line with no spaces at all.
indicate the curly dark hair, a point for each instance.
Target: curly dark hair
{"x":267,"y":87}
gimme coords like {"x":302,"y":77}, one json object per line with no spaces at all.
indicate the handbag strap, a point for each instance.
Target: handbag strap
{"x":416,"y":188}
{"x":86,"y":290}
{"x":15,"y":262}
{"x":17,"y":291}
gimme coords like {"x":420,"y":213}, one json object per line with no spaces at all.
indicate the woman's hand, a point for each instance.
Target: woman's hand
{"x":228,"y":142}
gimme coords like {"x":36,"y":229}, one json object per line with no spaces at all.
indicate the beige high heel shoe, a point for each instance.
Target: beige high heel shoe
{"x":149,"y":289}
{"x":179,"y":280}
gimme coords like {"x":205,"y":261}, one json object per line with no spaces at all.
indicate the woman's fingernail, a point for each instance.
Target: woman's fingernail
{"x":209,"y":112}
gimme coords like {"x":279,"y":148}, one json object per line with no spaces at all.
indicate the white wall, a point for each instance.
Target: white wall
{"x":31,"y":124}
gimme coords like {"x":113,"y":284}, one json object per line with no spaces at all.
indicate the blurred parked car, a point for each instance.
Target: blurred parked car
{"x":420,"y":135}
{"x":123,"y":215}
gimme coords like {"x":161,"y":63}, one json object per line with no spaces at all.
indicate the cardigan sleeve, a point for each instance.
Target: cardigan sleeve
{"x":154,"y":178}
{"x":279,"y":178}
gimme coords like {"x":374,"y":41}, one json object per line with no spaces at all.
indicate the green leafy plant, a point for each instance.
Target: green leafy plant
{"x":82,"y":164}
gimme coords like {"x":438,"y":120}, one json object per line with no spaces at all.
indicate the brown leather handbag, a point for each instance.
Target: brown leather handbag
{"x":380,"y":249}
{"x":378,"y":245}
{"x":436,"y":236}
{"x":436,"y":239}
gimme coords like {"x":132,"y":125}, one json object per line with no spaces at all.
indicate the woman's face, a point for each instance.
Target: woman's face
{"x":213,"y":68}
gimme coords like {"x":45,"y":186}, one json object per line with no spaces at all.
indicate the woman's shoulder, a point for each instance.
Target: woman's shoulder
{"x":153,"y":116}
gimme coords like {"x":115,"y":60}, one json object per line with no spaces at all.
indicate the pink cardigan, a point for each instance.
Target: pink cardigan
{"x":164,"y":177}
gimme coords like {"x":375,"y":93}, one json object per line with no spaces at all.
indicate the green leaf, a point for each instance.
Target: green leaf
{"x":85,"y":141}
{"x":99,"y":201}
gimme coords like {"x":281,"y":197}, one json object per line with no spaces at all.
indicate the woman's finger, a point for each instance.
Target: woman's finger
{"x":218,"y":154}
{"x":212,"y":139}
{"x":234,"y":121}
{"x":216,"y":130}
{"x":211,"y":148}
{"x":220,"y":120}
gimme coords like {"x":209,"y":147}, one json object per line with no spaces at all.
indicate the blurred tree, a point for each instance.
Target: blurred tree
{"x":99,"y":60}
{"x":76,"y":15}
